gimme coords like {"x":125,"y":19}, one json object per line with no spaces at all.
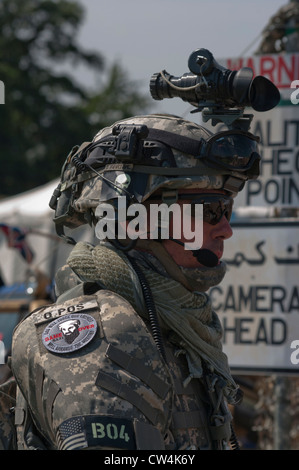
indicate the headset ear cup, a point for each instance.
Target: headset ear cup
{"x":65,"y":213}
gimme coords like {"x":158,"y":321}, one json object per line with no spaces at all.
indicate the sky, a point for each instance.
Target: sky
{"x":149,"y":36}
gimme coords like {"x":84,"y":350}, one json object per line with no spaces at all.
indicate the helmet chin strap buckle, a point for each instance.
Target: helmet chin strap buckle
{"x":233,"y":185}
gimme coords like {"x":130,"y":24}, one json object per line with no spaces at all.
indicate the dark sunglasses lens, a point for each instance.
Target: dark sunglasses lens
{"x":214,"y":211}
{"x":215,"y":208}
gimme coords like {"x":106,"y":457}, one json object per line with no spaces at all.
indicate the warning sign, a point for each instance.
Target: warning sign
{"x":278,"y":183}
{"x":258,"y":300}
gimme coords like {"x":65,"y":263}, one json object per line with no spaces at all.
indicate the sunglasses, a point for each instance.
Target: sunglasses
{"x":214,"y":206}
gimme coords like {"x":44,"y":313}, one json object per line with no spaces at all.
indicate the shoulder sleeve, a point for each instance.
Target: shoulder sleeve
{"x":90,"y":367}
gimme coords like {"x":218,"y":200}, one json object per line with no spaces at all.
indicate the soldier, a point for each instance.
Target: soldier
{"x":145,"y":368}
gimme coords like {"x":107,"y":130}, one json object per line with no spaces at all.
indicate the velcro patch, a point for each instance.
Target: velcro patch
{"x":68,"y":333}
{"x":96,"y":431}
{"x":56,"y":311}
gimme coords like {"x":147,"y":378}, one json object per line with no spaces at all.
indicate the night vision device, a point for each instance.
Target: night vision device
{"x":221,"y":94}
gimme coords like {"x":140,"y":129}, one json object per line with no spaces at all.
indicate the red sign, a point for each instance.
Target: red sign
{"x":280,"y":69}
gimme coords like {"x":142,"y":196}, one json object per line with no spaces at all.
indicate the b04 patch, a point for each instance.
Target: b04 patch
{"x":80,"y":432}
{"x":69,"y":333}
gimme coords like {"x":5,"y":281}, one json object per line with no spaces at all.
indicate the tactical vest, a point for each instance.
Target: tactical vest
{"x":90,"y":375}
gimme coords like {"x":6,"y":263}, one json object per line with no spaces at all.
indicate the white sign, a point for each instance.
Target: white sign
{"x":278,"y":129}
{"x":258,"y":300}
{"x":278,"y":184}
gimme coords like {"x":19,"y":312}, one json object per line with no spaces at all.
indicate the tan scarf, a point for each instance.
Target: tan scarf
{"x":188,"y":316}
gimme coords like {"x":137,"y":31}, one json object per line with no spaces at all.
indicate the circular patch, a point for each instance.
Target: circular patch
{"x":69,"y":333}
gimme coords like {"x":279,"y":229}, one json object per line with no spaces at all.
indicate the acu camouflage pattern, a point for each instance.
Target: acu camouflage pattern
{"x":7,"y":405}
{"x":119,"y":374}
{"x":90,"y":381}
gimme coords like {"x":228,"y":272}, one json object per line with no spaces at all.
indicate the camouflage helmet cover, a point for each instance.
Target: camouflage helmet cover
{"x":186,"y":171}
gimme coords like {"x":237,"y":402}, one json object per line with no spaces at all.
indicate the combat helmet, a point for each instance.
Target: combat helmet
{"x":138,"y":156}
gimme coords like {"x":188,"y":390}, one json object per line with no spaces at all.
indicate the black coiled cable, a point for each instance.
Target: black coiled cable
{"x":151,"y":308}
{"x":153,"y":318}
{"x":81,"y":166}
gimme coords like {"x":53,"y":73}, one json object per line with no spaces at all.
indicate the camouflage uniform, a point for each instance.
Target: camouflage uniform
{"x":116,"y":392}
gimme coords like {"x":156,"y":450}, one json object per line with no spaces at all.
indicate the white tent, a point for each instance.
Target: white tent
{"x":30,"y":211}
{"x":28,"y":206}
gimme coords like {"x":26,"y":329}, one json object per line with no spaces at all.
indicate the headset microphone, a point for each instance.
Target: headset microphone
{"x":206,"y":257}
{"x":203,"y":255}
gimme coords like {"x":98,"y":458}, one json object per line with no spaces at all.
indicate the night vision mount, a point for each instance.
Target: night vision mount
{"x":219,"y":93}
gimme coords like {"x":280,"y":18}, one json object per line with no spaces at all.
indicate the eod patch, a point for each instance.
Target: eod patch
{"x":69,"y":332}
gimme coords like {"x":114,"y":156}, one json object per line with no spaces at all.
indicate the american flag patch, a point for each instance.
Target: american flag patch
{"x":71,"y":434}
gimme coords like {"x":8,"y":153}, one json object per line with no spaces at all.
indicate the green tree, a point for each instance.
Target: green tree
{"x":46,"y":110}
{"x":118,"y":98}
